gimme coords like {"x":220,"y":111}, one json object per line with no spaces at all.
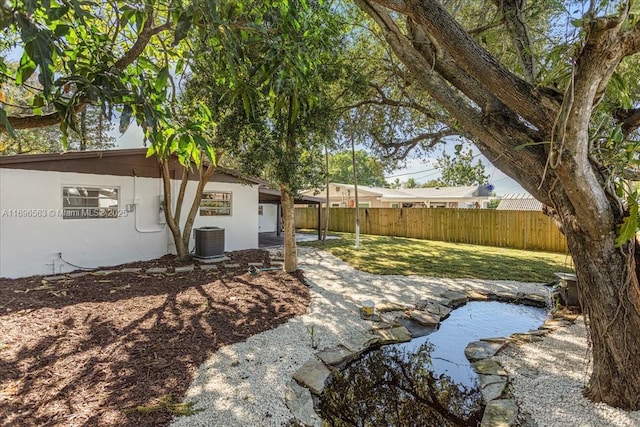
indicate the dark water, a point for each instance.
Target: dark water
{"x":427,"y":381}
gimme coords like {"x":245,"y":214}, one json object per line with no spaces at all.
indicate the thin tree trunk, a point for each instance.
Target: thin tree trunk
{"x":180,"y":235}
{"x":355,"y":191}
{"x":83,"y":130}
{"x":610,"y":298}
{"x":174,"y":226}
{"x":195,"y":205}
{"x":326,"y":208}
{"x":288,"y":218}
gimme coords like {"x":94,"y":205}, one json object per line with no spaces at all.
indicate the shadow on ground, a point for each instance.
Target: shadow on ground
{"x":102,"y":350}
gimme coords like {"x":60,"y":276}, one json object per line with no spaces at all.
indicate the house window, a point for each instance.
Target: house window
{"x":215,"y":203}
{"x":364,"y":204}
{"x":335,"y":205}
{"x":395,"y":205}
{"x":89,"y":202}
{"x":260,"y":210}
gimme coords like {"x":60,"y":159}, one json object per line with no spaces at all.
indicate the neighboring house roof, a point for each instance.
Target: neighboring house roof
{"x":519,"y":202}
{"x":410,"y":194}
{"x":435,"y":193}
{"x":125,"y":162}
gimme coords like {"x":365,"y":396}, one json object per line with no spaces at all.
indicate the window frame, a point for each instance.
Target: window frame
{"x":202,"y":208}
{"x":95,"y":212}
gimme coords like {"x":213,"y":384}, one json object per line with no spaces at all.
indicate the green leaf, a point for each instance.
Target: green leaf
{"x":125,"y":118}
{"x":151,"y":150}
{"x":183,"y":25}
{"x":65,"y":135}
{"x":38,"y":46}
{"x":576,"y":23}
{"x":5,"y":121}
{"x":630,"y":224}
{"x":25,"y":69}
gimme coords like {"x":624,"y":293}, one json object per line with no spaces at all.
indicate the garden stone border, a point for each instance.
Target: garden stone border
{"x":207,"y":265}
{"x":308,"y":382}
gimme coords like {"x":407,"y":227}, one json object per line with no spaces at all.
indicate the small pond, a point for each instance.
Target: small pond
{"x":427,"y":381}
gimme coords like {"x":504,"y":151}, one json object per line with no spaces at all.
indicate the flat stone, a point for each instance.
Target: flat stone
{"x":386,"y":306}
{"x":492,"y":386}
{"x":553,"y":324}
{"x":156,"y":270}
{"x":482,"y":350}
{"x":425,"y":318}
{"x":507,"y":296}
{"x":255,"y":264}
{"x":535,"y":300}
{"x":131,"y":270}
{"x":276,"y":264}
{"x":360,"y":342}
{"x":208,"y":267}
{"x":231,"y":265}
{"x":456,"y":299}
{"x":184,"y":269}
{"x":438,"y":309}
{"x":371,"y":317}
{"x":212,"y":260}
{"x":525,"y":337}
{"x":336,"y":355}
{"x":55,"y":278}
{"x":489,"y":367}
{"x":104,"y":272}
{"x":500,"y":413}
{"x":313,"y":375}
{"x":416,"y":329}
{"x":300,"y":402}
{"x":77,"y":275}
{"x":393,"y":335}
{"x":474,"y":295}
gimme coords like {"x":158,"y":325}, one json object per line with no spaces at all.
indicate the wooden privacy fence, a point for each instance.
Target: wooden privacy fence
{"x":509,"y":229}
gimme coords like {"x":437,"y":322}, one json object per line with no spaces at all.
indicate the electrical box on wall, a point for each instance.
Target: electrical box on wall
{"x":161,"y":218}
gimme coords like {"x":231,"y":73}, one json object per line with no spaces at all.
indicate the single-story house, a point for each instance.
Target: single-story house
{"x":88,"y":209}
{"x":343,"y":195}
{"x":519,"y":202}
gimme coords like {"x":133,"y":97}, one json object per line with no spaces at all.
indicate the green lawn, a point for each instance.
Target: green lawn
{"x":399,"y":255}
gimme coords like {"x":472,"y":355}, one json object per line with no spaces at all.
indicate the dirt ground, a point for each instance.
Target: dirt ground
{"x":104,"y":349}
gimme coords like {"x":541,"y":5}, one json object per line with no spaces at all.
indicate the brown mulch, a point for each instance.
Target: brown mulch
{"x":90,"y":350}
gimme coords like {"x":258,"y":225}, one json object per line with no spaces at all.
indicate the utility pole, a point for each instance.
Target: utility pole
{"x":355,"y":190}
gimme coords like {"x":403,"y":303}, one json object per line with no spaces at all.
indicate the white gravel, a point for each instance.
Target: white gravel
{"x":244,"y":384}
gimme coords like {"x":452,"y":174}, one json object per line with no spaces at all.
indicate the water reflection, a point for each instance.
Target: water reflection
{"x":394,"y":387}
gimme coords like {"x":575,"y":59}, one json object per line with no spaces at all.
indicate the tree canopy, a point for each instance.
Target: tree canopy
{"x":549,"y":94}
{"x":370,"y":170}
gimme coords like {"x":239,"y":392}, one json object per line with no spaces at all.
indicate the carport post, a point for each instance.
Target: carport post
{"x":278,"y":219}
{"x":319,"y":221}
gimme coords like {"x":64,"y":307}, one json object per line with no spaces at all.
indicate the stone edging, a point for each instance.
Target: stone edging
{"x":209,"y":265}
{"x":309,"y":380}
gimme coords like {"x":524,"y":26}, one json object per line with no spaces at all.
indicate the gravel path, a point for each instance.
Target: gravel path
{"x":244,"y":384}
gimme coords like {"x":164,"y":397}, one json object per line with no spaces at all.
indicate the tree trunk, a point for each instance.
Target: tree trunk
{"x":181,"y":236}
{"x":288,"y":218}
{"x":610,"y":298}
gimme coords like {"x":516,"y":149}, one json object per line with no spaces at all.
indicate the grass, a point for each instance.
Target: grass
{"x":403,"y":256}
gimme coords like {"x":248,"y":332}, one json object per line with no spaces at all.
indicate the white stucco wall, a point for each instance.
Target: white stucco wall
{"x":33,"y":232}
{"x":241,"y":227}
{"x":267,"y":221}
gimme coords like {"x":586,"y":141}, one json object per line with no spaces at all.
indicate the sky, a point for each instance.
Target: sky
{"x":422,"y":169}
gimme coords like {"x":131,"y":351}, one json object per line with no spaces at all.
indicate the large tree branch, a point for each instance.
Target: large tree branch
{"x":426,"y":139}
{"x":50,"y":119}
{"x":533,"y":105}
{"x":497,"y":135}
{"x":511,"y":11}
{"x":628,"y":119}
{"x":569,"y":155}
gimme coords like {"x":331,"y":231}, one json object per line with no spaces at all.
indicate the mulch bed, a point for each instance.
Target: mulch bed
{"x":95,"y":349}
